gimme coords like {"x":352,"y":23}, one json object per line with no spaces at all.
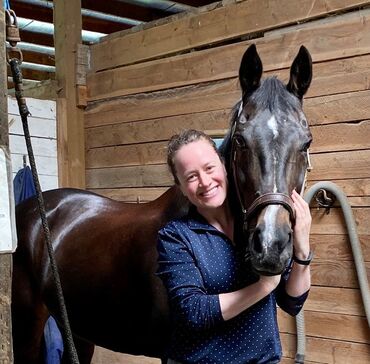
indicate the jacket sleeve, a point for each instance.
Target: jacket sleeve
{"x":178,"y":269}
{"x":289,"y":304}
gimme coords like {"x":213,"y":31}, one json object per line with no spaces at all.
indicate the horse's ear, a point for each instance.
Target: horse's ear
{"x":250,"y":70}
{"x":300,"y":73}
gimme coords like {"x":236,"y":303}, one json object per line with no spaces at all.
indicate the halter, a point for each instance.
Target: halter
{"x":270,"y":198}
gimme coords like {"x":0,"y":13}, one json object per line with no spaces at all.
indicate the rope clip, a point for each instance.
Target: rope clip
{"x":325,"y":199}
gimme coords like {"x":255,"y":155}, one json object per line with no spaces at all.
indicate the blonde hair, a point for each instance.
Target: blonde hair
{"x":179,"y":140}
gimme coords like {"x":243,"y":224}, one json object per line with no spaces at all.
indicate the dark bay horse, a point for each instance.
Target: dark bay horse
{"x":106,"y":250}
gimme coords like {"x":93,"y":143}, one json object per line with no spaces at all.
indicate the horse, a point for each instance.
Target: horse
{"x":106,"y":250}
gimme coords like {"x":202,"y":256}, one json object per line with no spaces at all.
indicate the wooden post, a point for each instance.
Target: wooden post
{"x":70,"y":123}
{"x":6,"y":351}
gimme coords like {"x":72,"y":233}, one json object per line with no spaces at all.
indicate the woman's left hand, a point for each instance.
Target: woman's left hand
{"x":301,"y":231}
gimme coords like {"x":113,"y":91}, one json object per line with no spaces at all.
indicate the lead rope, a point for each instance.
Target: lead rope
{"x":13,"y":38}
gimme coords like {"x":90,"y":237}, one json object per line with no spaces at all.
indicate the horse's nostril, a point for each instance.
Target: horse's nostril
{"x":257,"y":241}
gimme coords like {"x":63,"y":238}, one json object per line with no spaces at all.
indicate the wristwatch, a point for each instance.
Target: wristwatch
{"x":303,"y":262}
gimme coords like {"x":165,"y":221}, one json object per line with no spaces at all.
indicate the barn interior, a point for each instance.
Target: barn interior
{"x":108,"y":83}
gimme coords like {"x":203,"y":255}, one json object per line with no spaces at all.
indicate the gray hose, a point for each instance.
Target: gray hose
{"x":357,"y":257}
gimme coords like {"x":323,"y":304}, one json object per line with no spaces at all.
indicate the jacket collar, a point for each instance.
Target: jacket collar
{"x":197,"y":222}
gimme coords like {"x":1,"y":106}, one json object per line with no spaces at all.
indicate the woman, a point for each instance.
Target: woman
{"x":221,"y":312}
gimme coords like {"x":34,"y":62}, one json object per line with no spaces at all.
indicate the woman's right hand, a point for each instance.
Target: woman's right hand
{"x":269,"y":283}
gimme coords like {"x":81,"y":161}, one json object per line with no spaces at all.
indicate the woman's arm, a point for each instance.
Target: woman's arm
{"x":299,"y":280}
{"x":233,"y":303}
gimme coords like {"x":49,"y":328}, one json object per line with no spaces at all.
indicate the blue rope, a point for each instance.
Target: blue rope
{"x":6,"y":4}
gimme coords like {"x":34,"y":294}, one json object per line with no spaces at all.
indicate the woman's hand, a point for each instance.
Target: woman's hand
{"x":301,"y":231}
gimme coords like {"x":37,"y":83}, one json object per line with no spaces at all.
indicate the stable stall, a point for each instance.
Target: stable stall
{"x":119,"y":101}
{"x":144,"y":85}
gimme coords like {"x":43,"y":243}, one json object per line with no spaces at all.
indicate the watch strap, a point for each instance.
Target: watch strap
{"x":303,"y":262}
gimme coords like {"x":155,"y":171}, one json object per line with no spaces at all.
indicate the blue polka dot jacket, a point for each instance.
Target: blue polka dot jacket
{"x":196,"y":263}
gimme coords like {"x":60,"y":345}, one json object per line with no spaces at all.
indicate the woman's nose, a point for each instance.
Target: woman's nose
{"x":204,"y":179}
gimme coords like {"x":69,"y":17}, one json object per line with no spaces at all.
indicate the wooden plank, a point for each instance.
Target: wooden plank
{"x":337,"y":247}
{"x":46,"y":165}
{"x":351,"y":164}
{"x":354,"y":164}
{"x":333,"y":77}
{"x":335,"y":300}
{"x":292,"y":361}
{"x":329,"y":325}
{"x":103,"y":356}
{"x":127,"y":155}
{"x":71,"y":148}
{"x":327,"y":351}
{"x":33,"y":74}
{"x":340,"y":137}
{"x":333,"y":223}
{"x":338,"y":274}
{"x":214,"y":26}
{"x":41,"y":146}
{"x":154,"y":129}
{"x":337,"y":108}
{"x":39,"y":127}
{"x":345,"y":36}
{"x":150,"y":175}
{"x":351,"y":187}
{"x":45,"y":90}
{"x":45,"y":109}
{"x":131,"y":194}
{"x":336,"y":137}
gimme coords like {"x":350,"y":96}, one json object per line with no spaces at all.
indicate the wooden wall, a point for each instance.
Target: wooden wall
{"x":144,"y":86}
{"x":42,"y":127}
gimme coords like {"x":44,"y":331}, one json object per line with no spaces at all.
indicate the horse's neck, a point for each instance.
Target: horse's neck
{"x":172,"y":203}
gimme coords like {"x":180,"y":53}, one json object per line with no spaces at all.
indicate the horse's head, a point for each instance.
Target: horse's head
{"x":268,"y":157}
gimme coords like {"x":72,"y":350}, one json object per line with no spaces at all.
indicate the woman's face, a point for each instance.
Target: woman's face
{"x":201,"y":174}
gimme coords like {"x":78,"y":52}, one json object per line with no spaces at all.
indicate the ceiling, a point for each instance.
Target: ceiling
{"x":99,"y":18}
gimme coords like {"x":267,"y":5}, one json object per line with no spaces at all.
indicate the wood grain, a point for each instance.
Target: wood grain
{"x":200,"y":29}
{"x":324,"y":325}
{"x":340,"y":37}
{"x":328,"y":351}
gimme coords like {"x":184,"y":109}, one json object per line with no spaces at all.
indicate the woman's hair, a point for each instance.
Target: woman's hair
{"x":179,"y":140}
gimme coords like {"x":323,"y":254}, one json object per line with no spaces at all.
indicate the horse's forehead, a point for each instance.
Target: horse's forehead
{"x":272,"y":125}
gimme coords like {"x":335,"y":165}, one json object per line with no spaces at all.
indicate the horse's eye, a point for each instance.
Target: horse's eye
{"x":240,"y":142}
{"x":306,"y":146}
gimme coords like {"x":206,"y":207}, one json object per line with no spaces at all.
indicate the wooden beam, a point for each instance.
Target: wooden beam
{"x":119,"y":8}
{"x":45,"y":14}
{"x":39,"y":58}
{"x":30,"y":74}
{"x":209,"y":27}
{"x":6,"y":351}
{"x":70,"y":126}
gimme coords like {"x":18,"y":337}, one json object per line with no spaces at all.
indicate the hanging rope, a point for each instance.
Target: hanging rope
{"x":15,"y":62}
